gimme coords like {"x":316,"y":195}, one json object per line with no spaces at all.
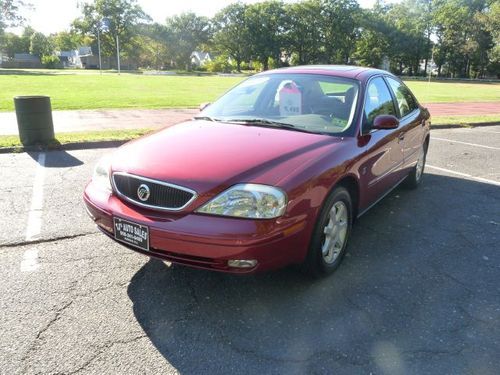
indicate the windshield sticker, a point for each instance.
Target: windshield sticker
{"x":290,"y":100}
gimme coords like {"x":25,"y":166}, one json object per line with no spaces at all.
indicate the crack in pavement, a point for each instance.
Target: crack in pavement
{"x":58,"y":314}
{"x":45,"y":240}
{"x":101,"y":350}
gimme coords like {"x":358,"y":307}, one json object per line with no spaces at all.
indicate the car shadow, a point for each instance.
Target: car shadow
{"x":417,"y":292}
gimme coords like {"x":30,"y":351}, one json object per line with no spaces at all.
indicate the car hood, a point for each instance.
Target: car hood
{"x":210,"y":156}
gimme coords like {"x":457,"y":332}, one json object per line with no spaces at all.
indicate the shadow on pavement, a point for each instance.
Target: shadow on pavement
{"x":418,"y":292}
{"x":57,"y":159}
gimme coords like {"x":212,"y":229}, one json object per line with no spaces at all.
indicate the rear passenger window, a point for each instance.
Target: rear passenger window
{"x":406,"y":101}
{"x":378,"y":101}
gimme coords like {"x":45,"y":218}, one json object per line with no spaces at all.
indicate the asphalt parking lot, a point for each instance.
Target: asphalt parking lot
{"x":418,"y":292}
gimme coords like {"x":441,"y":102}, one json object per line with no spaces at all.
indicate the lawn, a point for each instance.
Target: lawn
{"x":89,"y":90}
{"x":93,"y":91}
{"x":449,"y":91}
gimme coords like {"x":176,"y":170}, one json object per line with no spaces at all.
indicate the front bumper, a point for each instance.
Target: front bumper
{"x":204,"y":241}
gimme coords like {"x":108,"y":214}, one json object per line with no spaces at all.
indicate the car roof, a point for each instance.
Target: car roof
{"x":345,"y":71}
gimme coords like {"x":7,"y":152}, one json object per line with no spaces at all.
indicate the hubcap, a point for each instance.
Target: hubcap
{"x":335,"y":232}
{"x":420,"y":165}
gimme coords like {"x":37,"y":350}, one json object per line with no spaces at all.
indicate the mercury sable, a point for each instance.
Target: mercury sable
{"x":273,"y":173}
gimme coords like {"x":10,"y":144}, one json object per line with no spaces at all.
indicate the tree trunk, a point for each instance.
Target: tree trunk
{"x":265,"y":64}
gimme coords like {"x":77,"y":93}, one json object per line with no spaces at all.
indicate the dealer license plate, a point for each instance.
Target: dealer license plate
{"x":131,"y":233}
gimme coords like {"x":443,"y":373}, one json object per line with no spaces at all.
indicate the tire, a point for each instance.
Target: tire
{"x":322,"y":259}
{"x":416,"y":174}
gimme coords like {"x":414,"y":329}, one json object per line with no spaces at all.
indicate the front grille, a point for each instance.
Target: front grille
{"x":162,"y":195}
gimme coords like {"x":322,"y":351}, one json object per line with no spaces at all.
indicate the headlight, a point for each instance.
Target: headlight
{"x":249,"y":201}
{"x":101,"y":173}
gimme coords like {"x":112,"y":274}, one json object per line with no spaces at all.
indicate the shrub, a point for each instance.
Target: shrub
{"x":220,"y":64}
{"x":50,"y":62}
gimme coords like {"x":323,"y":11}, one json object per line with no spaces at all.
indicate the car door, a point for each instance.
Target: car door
{"x":411,"y":124}
{"x":382,"y":162}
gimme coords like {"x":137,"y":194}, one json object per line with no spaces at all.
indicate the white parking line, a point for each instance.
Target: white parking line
{"x":464,"y":143}
{"x":30,"y":261}
{"x":470,"y":177}
{"x":34,"y":226}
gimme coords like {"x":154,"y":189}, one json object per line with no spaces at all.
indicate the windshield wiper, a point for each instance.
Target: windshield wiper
{"x":266,"y":122}
{"x":207,"y":118}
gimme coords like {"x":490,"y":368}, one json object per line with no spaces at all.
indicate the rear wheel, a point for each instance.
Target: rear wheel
{"x":415,"y":176}
{"x":330,"y":236}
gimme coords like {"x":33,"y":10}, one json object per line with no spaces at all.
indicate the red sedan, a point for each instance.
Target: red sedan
{"x":273,"y":173}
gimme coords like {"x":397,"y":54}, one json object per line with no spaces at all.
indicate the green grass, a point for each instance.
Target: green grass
{"x":73,"y":89}
{"x":93,"y":91}
{"x":449,"y":91}
{"x":79,"y":137}
{"x":464,"y":120}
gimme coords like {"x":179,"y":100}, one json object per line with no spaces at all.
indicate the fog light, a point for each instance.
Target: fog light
{"x":105,"y":227}
{"x":242,"y":263}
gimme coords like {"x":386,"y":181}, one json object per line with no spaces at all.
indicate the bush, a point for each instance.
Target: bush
{"x":220,"y":64}
{"x":50,"y":62}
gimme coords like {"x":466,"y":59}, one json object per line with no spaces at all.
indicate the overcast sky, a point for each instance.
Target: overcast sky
{"x":49,"y":16}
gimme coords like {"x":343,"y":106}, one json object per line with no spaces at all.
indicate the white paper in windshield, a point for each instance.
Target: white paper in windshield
{"x":290,"y":99}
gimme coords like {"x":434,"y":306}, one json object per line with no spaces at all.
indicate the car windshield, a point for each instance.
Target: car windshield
{"x":305,"y":102}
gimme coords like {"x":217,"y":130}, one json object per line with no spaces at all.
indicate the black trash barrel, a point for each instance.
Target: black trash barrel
{"x":34,"y":119}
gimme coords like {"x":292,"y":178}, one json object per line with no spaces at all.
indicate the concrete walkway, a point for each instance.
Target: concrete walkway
{"x":113,"y":119}
{"x":116,"y":119}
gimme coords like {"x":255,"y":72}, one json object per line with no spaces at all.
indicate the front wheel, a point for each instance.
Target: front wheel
{"x":330,"y":236}
{"x":415,"y":176}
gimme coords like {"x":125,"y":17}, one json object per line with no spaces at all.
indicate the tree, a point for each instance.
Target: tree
{"x":66,"y":41}
{"x":409,"y":34}
{"x":41,"y":45}
{"x":340,"y":27}
{"x":231,"y":33}
{"x":150,"y":44}
{"x":119,"y":17}
{"x":373,"y":44}
{"x":184,"y":34}
{"x":265,"y":23}
{"x":304,"y":39}
{"x":464,"y":41}
{"x":491,"y":23}
{"x":9,"y":13}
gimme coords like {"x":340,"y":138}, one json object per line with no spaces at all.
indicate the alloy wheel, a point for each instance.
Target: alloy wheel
{"x":335,"y":232}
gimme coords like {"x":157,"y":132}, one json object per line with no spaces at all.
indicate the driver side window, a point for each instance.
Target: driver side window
{"x":378,"y":101}
{"x":406,"y":102}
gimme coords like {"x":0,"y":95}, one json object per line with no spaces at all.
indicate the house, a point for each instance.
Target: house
{"x":70,"y":59}
{"x":73,"y":58}
{"x":199,"y":58}
{"x":25,"y":61}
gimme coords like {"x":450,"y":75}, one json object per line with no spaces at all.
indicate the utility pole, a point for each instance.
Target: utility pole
{"x":99,"y":47}
{"x":118,"y":53}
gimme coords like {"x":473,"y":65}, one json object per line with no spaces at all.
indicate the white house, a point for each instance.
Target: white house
{"x":199,"y":58}
{"x":72,"y":59}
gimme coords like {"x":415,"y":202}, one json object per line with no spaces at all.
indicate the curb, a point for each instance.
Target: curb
{"x":457,"y":126}
{"x":112,"y":144}
{"x":67,"y":146}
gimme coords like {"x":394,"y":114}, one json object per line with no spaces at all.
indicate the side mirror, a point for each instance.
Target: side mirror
{"x":203,"y":106}
{"x":385,"y":122}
